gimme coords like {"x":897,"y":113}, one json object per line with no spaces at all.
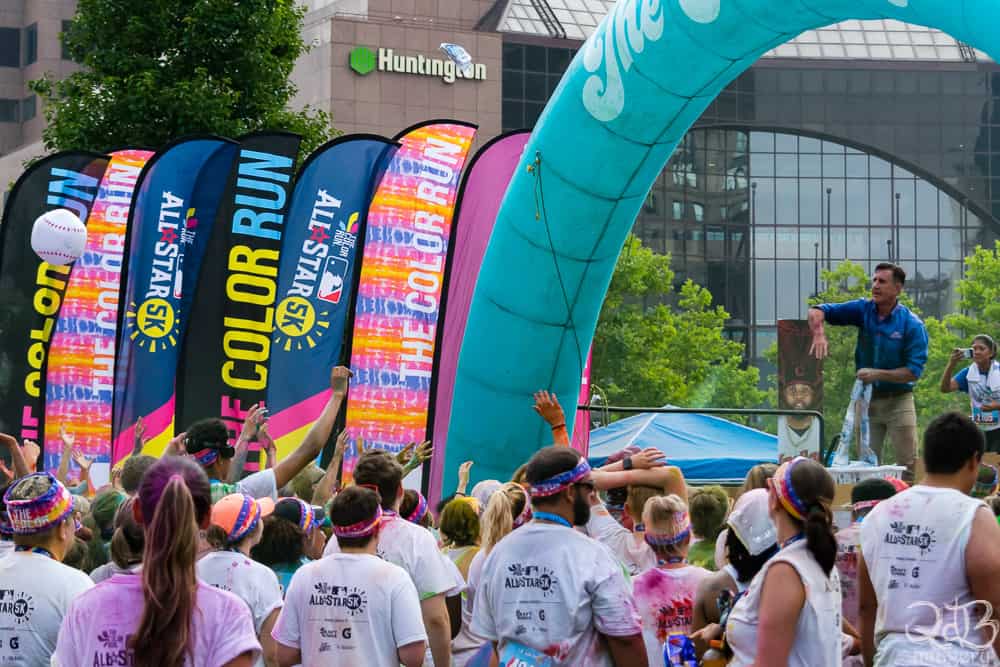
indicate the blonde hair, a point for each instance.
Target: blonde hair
{"x":667,"y":515}
{"x":505,"y":505}
{"x":638,"y":496}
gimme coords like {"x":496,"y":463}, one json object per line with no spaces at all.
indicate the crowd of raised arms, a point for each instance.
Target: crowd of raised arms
{"x":187,"y":560}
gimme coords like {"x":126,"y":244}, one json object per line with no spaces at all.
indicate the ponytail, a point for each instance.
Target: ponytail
{"x":169,"y":585}
{"x":820,"y":540}
{"x":498,"y":520}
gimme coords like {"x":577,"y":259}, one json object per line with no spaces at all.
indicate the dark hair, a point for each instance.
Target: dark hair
{"x":898,"y":274}
{"x":132,"y":471}
{"x":409,"y":503}
{"x":206,"y":434}
{"x":129,"y":540}
{"x":444,"y":501}
{"x":815,"y":488}
{"x":354,"y":505}
{"x":994,"y":504}
{"x":175,"y":498}
{"x":988,"y":342}
{"x":384,"y":472}
{"x":746,"y":566}
{"x":78,"y":556}
{"x":708,"y":506}
{"x":950,"y":441}
{"x":459,"y":523}
{"x":548,"y":462}
{"x":872,"y":488}
{"x":281,"y":542}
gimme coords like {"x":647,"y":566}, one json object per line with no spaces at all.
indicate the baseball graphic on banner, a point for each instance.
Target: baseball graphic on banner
{"x":58,"y":236}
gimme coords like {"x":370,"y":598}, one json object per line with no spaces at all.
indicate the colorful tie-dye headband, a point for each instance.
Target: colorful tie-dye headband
{"x":683,"y":522}
{"x":525,"y":515}
{"x":361,"y":528}
{"x":246,"y":520}
{"x":786,"y":492}
{"x":560,"y":482}
{"x":863,"y":505}
{"x":307,"y":516}
{"x":34,"y":515}
{"x":206,"y":457}
{"x":419,"y":511}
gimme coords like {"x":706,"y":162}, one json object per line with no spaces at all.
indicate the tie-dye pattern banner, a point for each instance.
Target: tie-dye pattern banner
{"x":399,"y":294}
{"x":80,"y":381}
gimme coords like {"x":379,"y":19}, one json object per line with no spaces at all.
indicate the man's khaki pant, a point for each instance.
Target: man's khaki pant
{"x":895,"y":416}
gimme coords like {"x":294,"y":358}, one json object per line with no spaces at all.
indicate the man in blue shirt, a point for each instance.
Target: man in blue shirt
{"x":890,"y":353}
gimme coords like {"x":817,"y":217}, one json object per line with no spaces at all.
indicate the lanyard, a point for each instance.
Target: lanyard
{"x":36,"y":550}
{"x":673,"y":560}
{"x":792,"y":540}
{"x":555,"y":518}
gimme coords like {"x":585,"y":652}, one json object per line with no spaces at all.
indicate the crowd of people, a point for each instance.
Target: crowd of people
{"x":188,"y":560}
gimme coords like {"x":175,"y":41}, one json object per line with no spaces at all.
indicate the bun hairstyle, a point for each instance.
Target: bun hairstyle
{"x":505,"y":507}
{"x":812,"y":490}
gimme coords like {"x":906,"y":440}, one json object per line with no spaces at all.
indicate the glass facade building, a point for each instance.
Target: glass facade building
{"x":801,"y":163}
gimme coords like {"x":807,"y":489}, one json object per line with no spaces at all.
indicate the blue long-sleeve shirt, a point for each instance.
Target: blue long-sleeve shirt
{"x":893,"y":342}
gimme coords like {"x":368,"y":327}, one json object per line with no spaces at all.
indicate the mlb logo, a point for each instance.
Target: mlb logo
{"x":331,"y":285}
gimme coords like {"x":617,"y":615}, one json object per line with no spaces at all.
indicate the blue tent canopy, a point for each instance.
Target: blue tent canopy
{"x":707,"y":449}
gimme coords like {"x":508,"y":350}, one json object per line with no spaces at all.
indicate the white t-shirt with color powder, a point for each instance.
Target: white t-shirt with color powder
{"x":555,"y":591}
{"x":35,"y":592}
{"x":254,"y":583}
{"x":628,"y":547}
{"x":99,"y":623}
{"x":414,"y":549}
{"x":665,"y":600}
{"x":465,"y":645}
{"x":350,"y":610}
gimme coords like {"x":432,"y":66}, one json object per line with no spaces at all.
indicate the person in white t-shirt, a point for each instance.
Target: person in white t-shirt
{"x":927,"y":579}
{"x":237,"y":525}
{"x":352,"y":608}
{"x":548,"y":591}
{"x":35,"y":587}
{"x":790,"y":614}
{"x":163,"y":616}
{"x":412,"y":548}
{"x":665,"y":594}
{"x":981,"y":381}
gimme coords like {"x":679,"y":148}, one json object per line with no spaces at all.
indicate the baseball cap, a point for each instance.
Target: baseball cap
{"x":751,"y":522}
{"x":299,"y":512}
{"x":237,"y":515}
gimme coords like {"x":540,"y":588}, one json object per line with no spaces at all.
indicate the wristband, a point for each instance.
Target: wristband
{"x":627,"y":463}
{"x":563,"y":425}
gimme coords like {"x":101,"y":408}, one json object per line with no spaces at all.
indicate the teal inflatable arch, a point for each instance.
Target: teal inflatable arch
{"x":633,"y":90}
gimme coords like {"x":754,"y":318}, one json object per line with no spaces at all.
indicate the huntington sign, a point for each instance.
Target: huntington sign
{"x":365,"y":61}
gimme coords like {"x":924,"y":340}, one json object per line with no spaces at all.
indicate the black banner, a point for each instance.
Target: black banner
{"x":224,"y":362}
{"x":31,"y":290}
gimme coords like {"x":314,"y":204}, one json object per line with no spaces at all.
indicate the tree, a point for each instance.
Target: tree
{"x":647,"y":353}
{"x":160,"y":69}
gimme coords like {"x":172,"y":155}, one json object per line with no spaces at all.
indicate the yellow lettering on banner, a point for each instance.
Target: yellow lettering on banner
{"x":47,"y":301}
{"x":252,"y":384}
{"x":247,"y":260}
{"x":255,"y":349}
{"x":31,"y":381}
{"x":247,"y":340}
{"x":241,"y":287}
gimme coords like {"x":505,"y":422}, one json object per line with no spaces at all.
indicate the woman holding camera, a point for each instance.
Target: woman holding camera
{"x":981,"y":381}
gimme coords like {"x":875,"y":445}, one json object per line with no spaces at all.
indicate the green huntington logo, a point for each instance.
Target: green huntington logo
{"x":363,"y":60}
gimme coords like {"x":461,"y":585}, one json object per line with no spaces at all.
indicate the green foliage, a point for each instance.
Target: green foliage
{"x":648,"y":354}
{"x":160,"y":69}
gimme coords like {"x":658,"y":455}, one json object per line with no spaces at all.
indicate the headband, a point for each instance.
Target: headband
{"x":28,"y":516}
{"x":560,"y":482}
{"x":246,"y":520}
{"x":525,"y":515}
{"x":667,"y":540}
{"x":863,"y":505}
{"x":361,"y":528}
{"x":786,"y":492}
{"x":206,"y":457}
{"x":419,"y":511}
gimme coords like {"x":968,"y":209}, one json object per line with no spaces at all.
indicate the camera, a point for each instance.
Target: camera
{"x":967,"y":352}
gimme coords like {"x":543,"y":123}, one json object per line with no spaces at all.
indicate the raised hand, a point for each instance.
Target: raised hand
{"x":340,"y":379}
{"x":31,"y":453}
{"x":424,"y":451}
{"x":68,"y":439}
{"x":650,"y":457}
{"x":252,"y":422}
{"x":82,"y":460}
{"x":176,"y":446}
{"x":463,"y":477}
{"x":139,"y":438}
{"x":341,"y":446}
{"x":404,"y":455}
{"x":547,"y":405}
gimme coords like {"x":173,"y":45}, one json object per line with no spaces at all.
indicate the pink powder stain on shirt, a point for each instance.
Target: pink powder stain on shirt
{"x":559,"y":652}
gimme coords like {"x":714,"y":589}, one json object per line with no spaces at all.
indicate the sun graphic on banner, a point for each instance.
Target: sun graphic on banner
{"x":298,"y":324}
{"x":154,"y":324}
